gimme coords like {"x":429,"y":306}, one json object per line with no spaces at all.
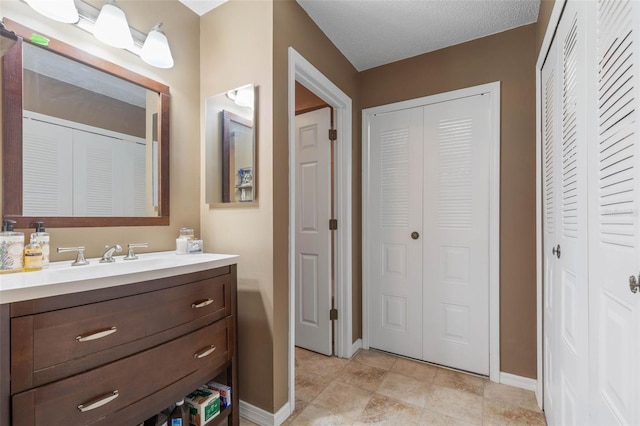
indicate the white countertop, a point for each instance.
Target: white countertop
{"x":62,"y":278}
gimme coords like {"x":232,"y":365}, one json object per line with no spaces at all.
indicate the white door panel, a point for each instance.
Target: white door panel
{"x":456,"y":233}
{"x":313,"y":250}
{"x":550,"y":96}
{"x":565,"y":220}
{"x":395,"y":268}
{"x":571,"y":187}
{"x":614,"y":311}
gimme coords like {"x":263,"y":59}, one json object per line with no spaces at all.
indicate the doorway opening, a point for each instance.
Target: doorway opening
{"x":303,"y":72}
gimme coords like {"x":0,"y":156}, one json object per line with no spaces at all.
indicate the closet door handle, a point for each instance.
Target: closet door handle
{"x":556,"y":251}
{"x":633,"y":284}
{"x":415,"y":235}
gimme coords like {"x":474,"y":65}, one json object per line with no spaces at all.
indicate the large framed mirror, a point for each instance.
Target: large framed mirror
{"x":230,"y":141}
{"x":85,"y":141}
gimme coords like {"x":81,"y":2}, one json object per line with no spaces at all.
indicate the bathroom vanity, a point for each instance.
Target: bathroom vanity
{"x":114,"y":344}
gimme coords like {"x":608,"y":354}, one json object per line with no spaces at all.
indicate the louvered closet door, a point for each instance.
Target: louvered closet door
{"x":550,"y":135}
{"x":571,"y":292}
{"x":614,"y":208}
{"x":456,"y":238}
{"x":394,"y":213}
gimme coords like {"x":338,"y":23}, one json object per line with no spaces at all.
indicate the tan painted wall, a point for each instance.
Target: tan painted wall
{"x":181,"y":27}
{"x":55,"y":98}
{"x":236,"y":49}
{"x":293,"y":27}
{"x":508,"y":57}
{"x":546,"y":7}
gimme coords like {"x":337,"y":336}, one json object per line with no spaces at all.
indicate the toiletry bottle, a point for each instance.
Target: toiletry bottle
{"x":11,"y":248}
{"x":42,"y":238}
{"x":178,"y":416}
{"x":33,"y":255}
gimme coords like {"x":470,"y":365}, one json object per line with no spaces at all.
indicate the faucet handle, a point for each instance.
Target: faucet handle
{"x":80,"y":260}
{"x":131,"y":255}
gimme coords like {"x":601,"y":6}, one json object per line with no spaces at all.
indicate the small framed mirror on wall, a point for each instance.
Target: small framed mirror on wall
{"x":230,"y":141}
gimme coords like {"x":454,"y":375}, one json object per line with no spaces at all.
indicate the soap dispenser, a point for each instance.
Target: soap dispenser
{"x":33,"y":255}
{"x":42,"y":238}
{"x":11,"y":248}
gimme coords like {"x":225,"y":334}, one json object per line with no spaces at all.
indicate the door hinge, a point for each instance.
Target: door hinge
{"x":333,"y":224}
{"x":333,"y":314}
{"x":333,"y":134}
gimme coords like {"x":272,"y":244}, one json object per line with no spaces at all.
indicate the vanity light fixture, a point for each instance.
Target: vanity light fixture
{"x":112,"y":27}
{"x":58,"y":10}
{"x":242,"y":97}
{"x":155,"y":50}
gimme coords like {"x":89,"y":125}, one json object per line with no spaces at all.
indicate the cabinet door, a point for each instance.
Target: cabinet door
{"x":614,"y":205}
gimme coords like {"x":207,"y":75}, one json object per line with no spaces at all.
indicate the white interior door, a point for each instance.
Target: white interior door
{"x":550,"y":135}
{"x":394,"y":213}
{"x":572,"y":292}
{"x":456,"y":233}
{"x":614,"y":233}
{"x":313,"y":250}
{"x":566,"y":295}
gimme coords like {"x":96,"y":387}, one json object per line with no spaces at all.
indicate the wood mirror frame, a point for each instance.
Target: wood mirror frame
{"x":12,"y":112}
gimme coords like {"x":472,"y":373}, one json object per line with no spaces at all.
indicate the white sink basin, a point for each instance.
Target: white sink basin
{"x":62,"y":278}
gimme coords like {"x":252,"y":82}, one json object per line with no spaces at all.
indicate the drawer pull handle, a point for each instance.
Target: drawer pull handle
{"x":97,"y":335}
{"x":202,"y":304}
{"x":206,"y":352}
{"x":98,"y":402}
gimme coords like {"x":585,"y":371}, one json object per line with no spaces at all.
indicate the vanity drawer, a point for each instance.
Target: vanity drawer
{"x":69,"y":341}
{"x":121,"y":384}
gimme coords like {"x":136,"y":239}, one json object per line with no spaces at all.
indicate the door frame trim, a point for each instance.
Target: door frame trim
{"x":549,"y":34}
{"x":494,"y":207}
{"x":304,"y":72}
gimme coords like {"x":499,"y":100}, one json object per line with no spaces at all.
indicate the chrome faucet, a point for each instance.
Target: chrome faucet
{"x":80,"y":260}
{"x":107,"y":256}
{"x":131,"y":255}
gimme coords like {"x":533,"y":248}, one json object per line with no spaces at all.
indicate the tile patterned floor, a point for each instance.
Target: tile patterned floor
{"x":381,"y":389}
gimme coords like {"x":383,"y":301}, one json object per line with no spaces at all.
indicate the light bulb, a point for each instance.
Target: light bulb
{"x":58,"y":10}
{"x":112,"y":27}
{"x":155,"y":50}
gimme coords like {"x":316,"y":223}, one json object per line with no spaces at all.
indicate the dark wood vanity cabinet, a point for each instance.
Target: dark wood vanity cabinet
{"x":117,"y":356}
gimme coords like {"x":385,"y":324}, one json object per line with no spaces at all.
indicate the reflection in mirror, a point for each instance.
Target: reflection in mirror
{"x":231,"y":147}
{"x":86,"y":142}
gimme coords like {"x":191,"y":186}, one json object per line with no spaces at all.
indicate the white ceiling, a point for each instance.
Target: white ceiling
{"x":370,"y":33}
{"x":202,"y":6}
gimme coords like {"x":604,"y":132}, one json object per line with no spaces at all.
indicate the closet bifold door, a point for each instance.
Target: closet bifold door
{"x":550,"y":94}
{"x":614,"y":208}
{"x":565,"y":212}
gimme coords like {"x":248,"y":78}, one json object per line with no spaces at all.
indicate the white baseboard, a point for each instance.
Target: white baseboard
{"x":518,"y":381}
{"x":357,"y":345}
{"x":262,"y":417}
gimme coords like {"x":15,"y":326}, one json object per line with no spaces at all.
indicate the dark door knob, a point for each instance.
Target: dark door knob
{"x":556,"y":251}
{"x":415,"y":235}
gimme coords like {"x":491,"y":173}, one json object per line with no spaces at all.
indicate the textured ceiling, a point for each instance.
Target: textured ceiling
{"x":370,"y":33}
{"x":202,"y":6}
